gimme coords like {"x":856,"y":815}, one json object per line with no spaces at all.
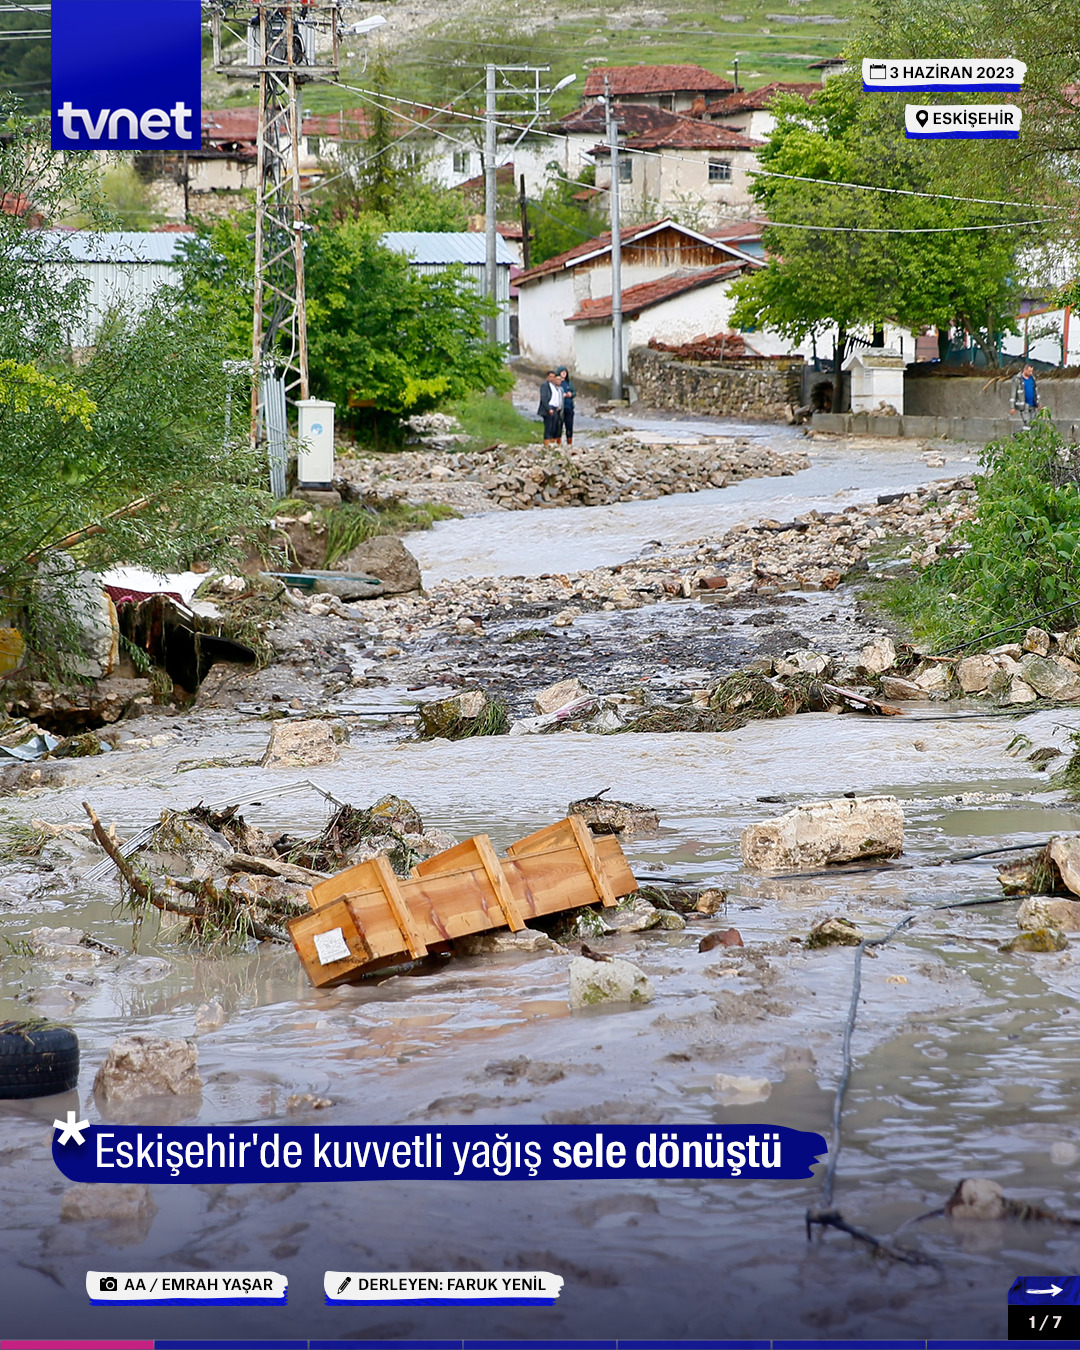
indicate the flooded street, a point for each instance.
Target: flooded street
{"x":967,"y":1062}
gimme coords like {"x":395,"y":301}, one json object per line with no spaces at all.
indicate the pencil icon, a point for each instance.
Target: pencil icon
{"x":344,"y":1284}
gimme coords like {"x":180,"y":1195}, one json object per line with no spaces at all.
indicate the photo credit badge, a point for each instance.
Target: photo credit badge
{"x":970,"y":75}
{"x":168,"y":1288}
{"x":126,"y":74}
{"x":962,"y":121}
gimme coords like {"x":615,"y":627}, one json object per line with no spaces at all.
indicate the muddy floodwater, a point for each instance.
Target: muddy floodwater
{"x":967,"y":1060}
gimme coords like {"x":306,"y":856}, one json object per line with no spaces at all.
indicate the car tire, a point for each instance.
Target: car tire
{"x":37,"y":1059}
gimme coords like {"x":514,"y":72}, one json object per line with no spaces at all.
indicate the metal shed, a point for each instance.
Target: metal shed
{"x":123,"y":269}
{"x":432,"y":250}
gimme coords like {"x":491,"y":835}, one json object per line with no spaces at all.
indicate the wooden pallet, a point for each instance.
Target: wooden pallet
{"x":367,"y":917}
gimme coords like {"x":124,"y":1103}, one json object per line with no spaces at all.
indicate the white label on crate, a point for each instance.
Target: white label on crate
{"x":331,"y":947}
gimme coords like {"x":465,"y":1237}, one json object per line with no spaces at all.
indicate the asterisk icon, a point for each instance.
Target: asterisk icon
{"x":71,"y":1128}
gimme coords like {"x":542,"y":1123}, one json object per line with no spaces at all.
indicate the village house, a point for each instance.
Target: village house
{"x":670,"y":88}
{"x":748,"y":111}
{"x":674,"y":286}
{"x":694,"y":169}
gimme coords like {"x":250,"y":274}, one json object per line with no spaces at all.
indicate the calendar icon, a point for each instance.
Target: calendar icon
{"x":877,"y":70}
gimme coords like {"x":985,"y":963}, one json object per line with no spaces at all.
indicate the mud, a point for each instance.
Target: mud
{"x":964,"y":1055}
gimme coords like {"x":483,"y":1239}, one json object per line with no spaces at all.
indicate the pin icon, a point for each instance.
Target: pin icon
{"x":922,"y":117}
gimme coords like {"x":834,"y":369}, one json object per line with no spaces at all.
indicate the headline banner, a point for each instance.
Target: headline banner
{"x":126,"y":74}
{"x":187,"y":1154}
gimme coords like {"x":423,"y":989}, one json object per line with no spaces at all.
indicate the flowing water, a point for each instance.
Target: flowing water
{"x":966,"y":1059}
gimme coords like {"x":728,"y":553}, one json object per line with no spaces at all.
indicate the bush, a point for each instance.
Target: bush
{"x":1020,"y":558}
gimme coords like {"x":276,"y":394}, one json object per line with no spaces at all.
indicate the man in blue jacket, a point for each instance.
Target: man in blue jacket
{"x":1025,"y":395}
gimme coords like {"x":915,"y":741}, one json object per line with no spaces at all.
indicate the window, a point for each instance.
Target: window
{"x":626,"y":169}
{"x":719,"y":170}
{"x":462,"y":161}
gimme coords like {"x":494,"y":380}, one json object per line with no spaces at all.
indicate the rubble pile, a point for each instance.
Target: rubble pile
{"x":623,"y":469}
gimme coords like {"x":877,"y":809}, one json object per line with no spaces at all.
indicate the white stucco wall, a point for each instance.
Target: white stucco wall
{"x":543,"y":306}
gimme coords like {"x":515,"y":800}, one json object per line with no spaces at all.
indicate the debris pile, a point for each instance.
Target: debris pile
{"x":623,"y":469}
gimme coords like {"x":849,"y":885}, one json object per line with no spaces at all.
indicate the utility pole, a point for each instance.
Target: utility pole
{"x":616,"y":250}
{"x":491,"y":167}
{"x":491,"y":203}
{"x":279,"y":42}
{"x":523,"y":203}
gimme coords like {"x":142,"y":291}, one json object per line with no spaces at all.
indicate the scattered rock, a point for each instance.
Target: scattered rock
{"x":1037,"y":640}
{"x":636,"y":916}
{"x":386,"y":557}
{"x":617,"y":981}
{"x":1020,"y":691}
{"x":710,"y":902}
{"x":488,"y":944}
{"x":209,"y":1016}
{"x":90,"y":1202}
{"x":557,"y":696}
{"x":300,"y":744}
{"x":1063,"y":1153}
{"x":974,"y":673}
{"x":977,"y":1198}
{"x":835,"y":932}
{"x":299,"y":1102}
{"x":470,"y":713}
{"x":935,"y":680}
{"x":1064,"y":852}
{"x":69,"y":946}
{"x":803,"y":662}
{"x":1037,"y":940}
{"x":729,"y":937}
{"x":877,"y":657}
{"x":731,"y":1090}
{"x":893,"y":687}
{"x":141,"y":1065}
{"x":819,"y":833}
{"x":611,"y":817}
{"x":1050,"y":679}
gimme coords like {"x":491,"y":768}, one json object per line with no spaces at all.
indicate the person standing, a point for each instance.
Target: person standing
{"x":551,"y":407}
{"x":569,"y":393}
{"x":1025,"y":394}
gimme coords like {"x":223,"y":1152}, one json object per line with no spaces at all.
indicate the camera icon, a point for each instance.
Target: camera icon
{"x":107,"y":1284}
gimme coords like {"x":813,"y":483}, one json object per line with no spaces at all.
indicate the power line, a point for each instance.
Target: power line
{"x":825,"y":182}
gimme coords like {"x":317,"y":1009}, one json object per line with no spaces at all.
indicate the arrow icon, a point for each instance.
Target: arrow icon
{"x":1053,"y":1291}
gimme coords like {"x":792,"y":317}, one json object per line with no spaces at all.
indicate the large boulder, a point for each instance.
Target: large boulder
{"x":300,"y":745}
{"x":613,"y":981}
{"x":1046,"y":911}
{"x":818,"y":833}
{"x":1050,"y":679}
{"x":387,"y":558}
{"x":557,"y":696}
{"x":878,"y":656}
{"x":141,"y":1065}
{"x":78,"y":615}
{"x":1065,"y":852}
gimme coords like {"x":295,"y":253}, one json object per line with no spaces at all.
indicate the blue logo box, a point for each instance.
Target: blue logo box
{"x":126,"y":74}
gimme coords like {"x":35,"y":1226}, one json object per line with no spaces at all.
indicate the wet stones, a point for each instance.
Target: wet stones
{"x":877,"y":657}
{"x":835,"y":932}
{"x":818,"y":833}
{"x":611,"y":817}
{"x":300,"y":744}
{"x":615,"y":981}
{"x":1050,"y":678}
{"x":387,"y":558}
{"x":140,"y":1065}
{"x":1037,"y":940}
{"x":1043,"y":911}
{"x":732,"y":1090}
{"x":559,"y":695}
{"x":473,"y":712}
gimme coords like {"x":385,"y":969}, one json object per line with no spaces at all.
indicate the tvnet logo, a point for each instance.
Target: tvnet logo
{"x":155,"y":124}
{"x":126,"y":74}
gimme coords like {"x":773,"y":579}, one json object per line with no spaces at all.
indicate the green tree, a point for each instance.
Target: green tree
{"x":122,"y":456}
{"x":386,"y":339}
{"x":842,"y":267}
{"x":565,"y":215}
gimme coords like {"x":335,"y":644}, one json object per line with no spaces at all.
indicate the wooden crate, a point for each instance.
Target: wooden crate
{"x":367,"y":917}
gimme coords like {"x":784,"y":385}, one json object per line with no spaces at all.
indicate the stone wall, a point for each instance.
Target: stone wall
{"x":761,"y":389}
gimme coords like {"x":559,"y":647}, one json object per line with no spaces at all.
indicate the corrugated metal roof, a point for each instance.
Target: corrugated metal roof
{"x":446,"y":246}
{"x":117,"y":246}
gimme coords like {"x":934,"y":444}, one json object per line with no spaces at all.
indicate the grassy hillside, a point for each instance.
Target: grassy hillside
{"x":436,"y":49}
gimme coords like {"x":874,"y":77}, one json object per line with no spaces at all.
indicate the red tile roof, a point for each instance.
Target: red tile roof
{"x":625,"y":81}
{"x":688,"y":134}
{"x":744,"y":229}
{"x":748,"y":100}
{"x":634,"y":118}
{"x":648,"y":293}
